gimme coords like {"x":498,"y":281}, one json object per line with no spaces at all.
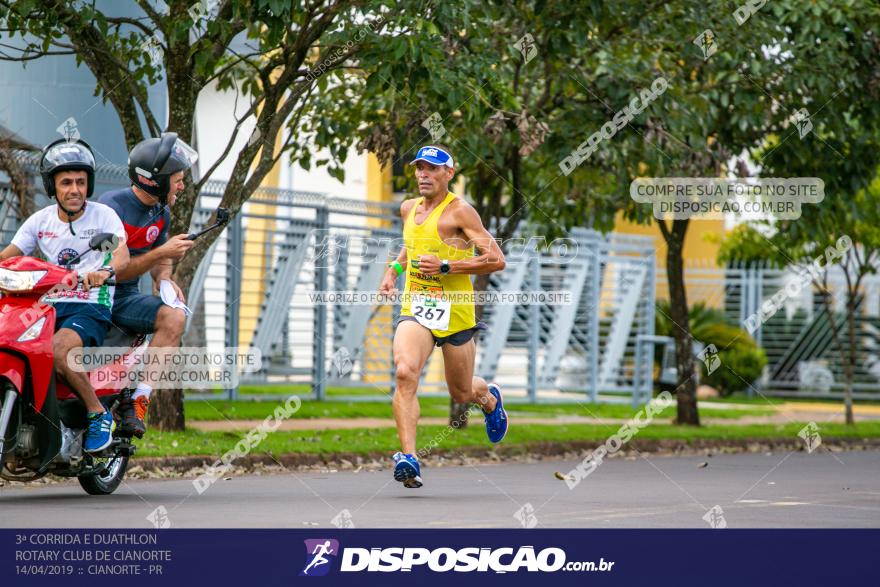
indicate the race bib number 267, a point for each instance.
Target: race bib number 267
{"x":431,"y":312}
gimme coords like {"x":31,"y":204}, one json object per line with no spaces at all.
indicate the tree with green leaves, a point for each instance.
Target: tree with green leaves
{"x":514,"y":117}
{"x":657,"y":104}
{"x":850,"y":224}
{"x":517,"y":89}
{"x":731,"y":87}
{"x":489,"y":81}
{"x":274,"y":56}
{"x":834,"y":83}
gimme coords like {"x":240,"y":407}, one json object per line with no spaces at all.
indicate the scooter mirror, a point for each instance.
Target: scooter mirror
{"x":105,"y":241}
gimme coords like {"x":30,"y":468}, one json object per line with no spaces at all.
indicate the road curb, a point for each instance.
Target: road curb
{"x":512,"y":453}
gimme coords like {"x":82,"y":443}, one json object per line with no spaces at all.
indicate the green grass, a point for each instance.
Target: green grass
{"x":251,"y":410}
{"x":369,"y":390}
{"x":430,"y":406}
{"x":300,"y":389}
{"x":368,"y":440}
{"x":777,"y":401}
{"x":744,"y":399}
{"x":624,"y":411}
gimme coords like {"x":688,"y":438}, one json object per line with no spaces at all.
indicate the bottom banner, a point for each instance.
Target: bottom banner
{"x":374,"y":557}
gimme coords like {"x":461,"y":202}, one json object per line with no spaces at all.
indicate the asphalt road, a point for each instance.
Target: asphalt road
{"x":791,"y":490}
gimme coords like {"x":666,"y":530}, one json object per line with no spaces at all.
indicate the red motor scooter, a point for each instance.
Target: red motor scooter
{"x":42,"y":422}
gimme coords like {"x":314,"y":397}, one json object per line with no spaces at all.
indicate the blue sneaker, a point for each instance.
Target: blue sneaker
{"x":407,"y":471}
{"x":100,"y":432}
{"x":496,"y":421}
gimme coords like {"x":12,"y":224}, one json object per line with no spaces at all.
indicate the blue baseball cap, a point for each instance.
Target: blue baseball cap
{"x":434,"y":156}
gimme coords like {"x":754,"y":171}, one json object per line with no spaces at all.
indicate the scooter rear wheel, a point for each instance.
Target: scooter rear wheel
{"x":105,"y":483}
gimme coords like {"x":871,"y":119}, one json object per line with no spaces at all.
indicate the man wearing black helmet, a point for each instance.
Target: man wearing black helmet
{"x":156,"y":169}
{"x":61,"y":232}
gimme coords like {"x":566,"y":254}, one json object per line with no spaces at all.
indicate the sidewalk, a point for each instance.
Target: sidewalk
{"x":785,"y":413}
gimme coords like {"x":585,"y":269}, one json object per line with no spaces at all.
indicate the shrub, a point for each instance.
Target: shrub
{"x":742,"y":360}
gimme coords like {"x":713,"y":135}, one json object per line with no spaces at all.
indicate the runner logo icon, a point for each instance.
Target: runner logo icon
{"x":318,"y":556}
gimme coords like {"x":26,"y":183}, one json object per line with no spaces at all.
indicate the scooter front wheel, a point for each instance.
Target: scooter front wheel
{"x":105,"y":482}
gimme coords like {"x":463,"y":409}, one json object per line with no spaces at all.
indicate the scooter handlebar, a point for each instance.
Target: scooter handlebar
{"x":111,"y":281}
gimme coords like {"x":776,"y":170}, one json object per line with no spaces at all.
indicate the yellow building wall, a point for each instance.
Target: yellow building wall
{"x":376,"y":358}
{"x":256,"y":261}
{"x":700,"y":258}
{"x":378,"y":188}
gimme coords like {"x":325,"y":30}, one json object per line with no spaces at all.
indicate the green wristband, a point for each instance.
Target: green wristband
{"x":396,"y":266}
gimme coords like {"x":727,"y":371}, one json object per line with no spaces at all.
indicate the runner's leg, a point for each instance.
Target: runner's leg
{"x":463,"y":386}
{"x":412,"y":347}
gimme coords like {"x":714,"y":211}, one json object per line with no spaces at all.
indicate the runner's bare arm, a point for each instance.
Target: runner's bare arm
{"x":390,"y":277}
{"x":401,"y":258}
{"x":405,"y":208}
{"x":490,"y":258}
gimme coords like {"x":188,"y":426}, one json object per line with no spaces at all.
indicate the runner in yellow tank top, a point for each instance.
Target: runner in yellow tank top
{"x":445,"y":243}
{"x":424,"y":239}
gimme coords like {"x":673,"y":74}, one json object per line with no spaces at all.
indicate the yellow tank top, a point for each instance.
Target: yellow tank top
{"x":424,"y":239}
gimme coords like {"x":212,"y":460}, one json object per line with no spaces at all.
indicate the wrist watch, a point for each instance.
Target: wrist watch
{"x":109,"y":270}
{"x":444,"y":266}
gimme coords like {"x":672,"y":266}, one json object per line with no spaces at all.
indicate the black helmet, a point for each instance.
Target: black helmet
{"x":152,"y":162}
{"x":64,"y":155}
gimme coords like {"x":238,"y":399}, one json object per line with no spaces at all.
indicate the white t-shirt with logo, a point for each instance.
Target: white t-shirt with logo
{"x":45,"y":231}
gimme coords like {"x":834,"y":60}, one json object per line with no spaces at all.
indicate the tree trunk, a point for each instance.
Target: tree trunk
{"x":458,"y":414}
{"x":166,"y":410}
{"x":18,"y":179}
{"x":850,"y":361}
{"x":847,"y":355}
{"x":681,"y":330}
{"x":195,"y":335}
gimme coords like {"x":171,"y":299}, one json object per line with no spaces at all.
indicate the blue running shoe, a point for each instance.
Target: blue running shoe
{"x":407,"y":471}
{"x":496,"y":421}
{"x":100,"y":432}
